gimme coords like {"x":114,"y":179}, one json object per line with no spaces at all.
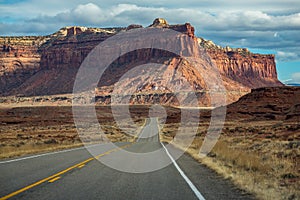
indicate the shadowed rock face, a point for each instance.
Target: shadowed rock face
{"x":48,"y":64}
{"x":274,"y":103}
{"x":19,"y":60}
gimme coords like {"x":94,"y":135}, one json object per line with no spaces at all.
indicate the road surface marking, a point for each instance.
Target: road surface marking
{"x":137,"y":136}
{"x":187,"y":180}
{"x":54,"y":179}
{"x":97,"y":157}
{"x":46,"y":154}
{"x":56,"y":175}
{"x":81,"y":166}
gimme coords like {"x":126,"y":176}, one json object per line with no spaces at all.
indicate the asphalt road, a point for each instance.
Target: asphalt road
{"x":76,"y":174}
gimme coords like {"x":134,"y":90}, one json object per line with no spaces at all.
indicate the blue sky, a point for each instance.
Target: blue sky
{"x":263,"y":26}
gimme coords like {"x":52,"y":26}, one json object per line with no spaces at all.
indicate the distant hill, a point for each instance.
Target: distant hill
{"x":274,"y":103}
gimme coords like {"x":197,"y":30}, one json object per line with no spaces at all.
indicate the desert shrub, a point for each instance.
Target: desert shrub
{"x":50,"y":141}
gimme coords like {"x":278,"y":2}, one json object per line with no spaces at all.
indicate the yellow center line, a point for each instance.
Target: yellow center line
{"x":81,"y":166}
{"x":60,"y":173}
{"x":136,"y":137}
{"x":54,"y":179}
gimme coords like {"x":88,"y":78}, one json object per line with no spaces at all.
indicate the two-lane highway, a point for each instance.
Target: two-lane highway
{"x":150,"y":131}
{"x":75,"y":174}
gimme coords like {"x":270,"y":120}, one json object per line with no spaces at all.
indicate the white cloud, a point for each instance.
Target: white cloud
{"x":287,"y":56}
{"x":88,"y":13}
{"x":226,"y":19}
{"x":238,"y":26}
{"x":296,"y":77}
{"x":221,"y":21}
{"x":123,"y":8}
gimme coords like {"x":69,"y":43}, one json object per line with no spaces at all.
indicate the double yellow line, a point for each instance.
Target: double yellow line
{"x":56,"y":176}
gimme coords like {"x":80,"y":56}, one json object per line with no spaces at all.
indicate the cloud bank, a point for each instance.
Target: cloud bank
{"x":275,"y":26}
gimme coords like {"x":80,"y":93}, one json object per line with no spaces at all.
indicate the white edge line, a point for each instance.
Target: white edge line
{"x":187,"y":180}
{"x":46,"y":154}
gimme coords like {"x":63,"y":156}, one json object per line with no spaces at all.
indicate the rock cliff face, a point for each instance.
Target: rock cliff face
{"x":19,"y":60}
{"x":251,"y":70}
{"x":48,"y":65}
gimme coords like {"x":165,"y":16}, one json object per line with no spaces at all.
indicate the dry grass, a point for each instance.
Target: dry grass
{"x":10,"y":151}
{"x":265,"y":166}
{"x":33,"y":130}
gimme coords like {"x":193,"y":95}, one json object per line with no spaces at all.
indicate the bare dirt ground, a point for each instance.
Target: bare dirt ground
{"x":27,"y":130}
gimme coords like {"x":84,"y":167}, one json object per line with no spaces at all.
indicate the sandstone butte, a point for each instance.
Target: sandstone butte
{"x":47,"y":65}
